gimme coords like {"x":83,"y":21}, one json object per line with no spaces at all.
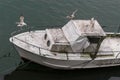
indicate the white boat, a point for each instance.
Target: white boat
{"x":78,"y":44}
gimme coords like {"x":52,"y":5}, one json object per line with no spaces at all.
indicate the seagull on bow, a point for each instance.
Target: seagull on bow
{"x":21,"y":23}
{"x":72,"y":15}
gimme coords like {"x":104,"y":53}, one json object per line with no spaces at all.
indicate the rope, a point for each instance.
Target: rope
{"x":84,"y":63}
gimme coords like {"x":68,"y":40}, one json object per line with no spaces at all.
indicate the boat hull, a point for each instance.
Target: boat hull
{"x":66,"y":64}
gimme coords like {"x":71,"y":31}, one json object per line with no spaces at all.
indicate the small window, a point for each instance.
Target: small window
{"x":45,"y":37}
{"x":48,"y":43}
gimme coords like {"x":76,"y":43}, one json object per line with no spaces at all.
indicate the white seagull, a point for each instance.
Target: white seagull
{"x":92,"y":22}
{"x":21,"y":23}
{"x":72,"y":15}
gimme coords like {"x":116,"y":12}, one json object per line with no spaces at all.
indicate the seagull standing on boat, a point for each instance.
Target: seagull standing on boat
{"x":72,"y":15}
{"x":92,"y":23}
{"x":21,"y":23}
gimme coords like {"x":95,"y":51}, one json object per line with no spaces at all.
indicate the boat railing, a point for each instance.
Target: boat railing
{"x":38,"y":50}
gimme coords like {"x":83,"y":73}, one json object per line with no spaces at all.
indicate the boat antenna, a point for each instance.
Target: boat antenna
{"x":72,"y":15}
{"x":21,"y":23}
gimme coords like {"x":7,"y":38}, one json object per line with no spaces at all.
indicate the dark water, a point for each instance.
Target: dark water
{"x":53,"y":12}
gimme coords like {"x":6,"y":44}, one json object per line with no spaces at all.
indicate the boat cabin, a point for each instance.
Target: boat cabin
{"x":75,"y":36}
{"x":56,"y":40}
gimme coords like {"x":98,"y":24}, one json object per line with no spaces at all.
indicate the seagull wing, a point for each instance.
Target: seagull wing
{"x":74,"y":12}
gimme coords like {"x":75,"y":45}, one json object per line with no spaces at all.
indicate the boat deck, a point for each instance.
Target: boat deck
{"x":34,"y":43}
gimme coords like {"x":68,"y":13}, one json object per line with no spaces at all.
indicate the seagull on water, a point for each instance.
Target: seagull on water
{"x":21,"y":23}
{"x":72,"y":15}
